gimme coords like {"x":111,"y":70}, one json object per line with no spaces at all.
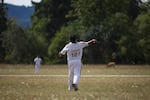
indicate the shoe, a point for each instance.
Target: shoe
{"x":75,"y":87}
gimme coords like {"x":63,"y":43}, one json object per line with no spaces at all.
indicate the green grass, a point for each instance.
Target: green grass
{"x":55,"y":88}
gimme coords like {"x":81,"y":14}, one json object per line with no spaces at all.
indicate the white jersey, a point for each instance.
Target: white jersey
{"x":74,"y":50}
{"x":37,"y":61}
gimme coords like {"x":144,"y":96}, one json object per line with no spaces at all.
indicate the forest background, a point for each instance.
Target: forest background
{"x":121,"y":28}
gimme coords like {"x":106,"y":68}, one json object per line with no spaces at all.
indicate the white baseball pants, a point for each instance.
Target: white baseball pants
{"x":37,"y":68}
{"x":74,"y":72}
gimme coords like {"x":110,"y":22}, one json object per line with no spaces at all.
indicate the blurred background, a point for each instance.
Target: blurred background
{"x":41,"y":28}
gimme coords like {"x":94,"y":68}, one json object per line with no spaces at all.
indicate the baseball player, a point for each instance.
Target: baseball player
{"x":74,"y":51}
{"x":37,"y":61}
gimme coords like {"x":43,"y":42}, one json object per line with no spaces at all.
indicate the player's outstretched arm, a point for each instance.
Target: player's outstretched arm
{"x":92,"y":41}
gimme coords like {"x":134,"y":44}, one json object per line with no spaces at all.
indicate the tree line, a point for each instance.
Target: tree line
{"x":121,"y":27}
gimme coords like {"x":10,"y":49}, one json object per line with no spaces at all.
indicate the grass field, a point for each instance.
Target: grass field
{"x":49,"y":87}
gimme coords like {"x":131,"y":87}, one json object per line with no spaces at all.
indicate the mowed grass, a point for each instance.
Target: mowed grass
{"x":90,"y":88}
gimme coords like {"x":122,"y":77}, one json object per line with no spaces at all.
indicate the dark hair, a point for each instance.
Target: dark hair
{"x":73,"y":38}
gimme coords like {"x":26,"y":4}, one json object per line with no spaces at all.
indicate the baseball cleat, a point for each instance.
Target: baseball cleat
{"x":75,"y":87}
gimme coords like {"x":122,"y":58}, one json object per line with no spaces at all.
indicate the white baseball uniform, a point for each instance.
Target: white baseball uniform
{"x":37,"y":61}
{"x":74,"y":56}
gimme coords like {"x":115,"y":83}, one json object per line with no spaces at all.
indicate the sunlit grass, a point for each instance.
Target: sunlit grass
{"x":86,"y":70}
{"x":55,"y":88}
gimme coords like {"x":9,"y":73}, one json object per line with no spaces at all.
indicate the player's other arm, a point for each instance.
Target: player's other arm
{"x":92,"y":41}
{"x":63,"y":51}
{"x":61,"y":54}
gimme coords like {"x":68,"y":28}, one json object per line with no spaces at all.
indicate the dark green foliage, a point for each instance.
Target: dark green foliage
{"x":3,"y":27}
{"x":111,"y":23}
{"x":121,"y":28}
{"x":49,"y":16}
{"x":142,"y":24}
{"x":109,"y":34}
{"x":21,"y":46}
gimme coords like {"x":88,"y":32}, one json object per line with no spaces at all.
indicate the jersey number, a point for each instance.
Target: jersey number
{"x":75,"y":53}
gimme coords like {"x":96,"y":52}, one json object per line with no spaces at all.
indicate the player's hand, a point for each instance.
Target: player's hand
{"x":59,"y":54}
{"x":93,"y":40}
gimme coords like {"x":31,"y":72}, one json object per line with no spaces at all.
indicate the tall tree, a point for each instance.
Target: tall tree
{"x":93,"y":12}
{"x":142,"y":24}
{"x":110,"y":21}
{"x":3,"y":27}
{"x":49,"y":16}
{"x":134,"y":8}
{"x":22,"y":46}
